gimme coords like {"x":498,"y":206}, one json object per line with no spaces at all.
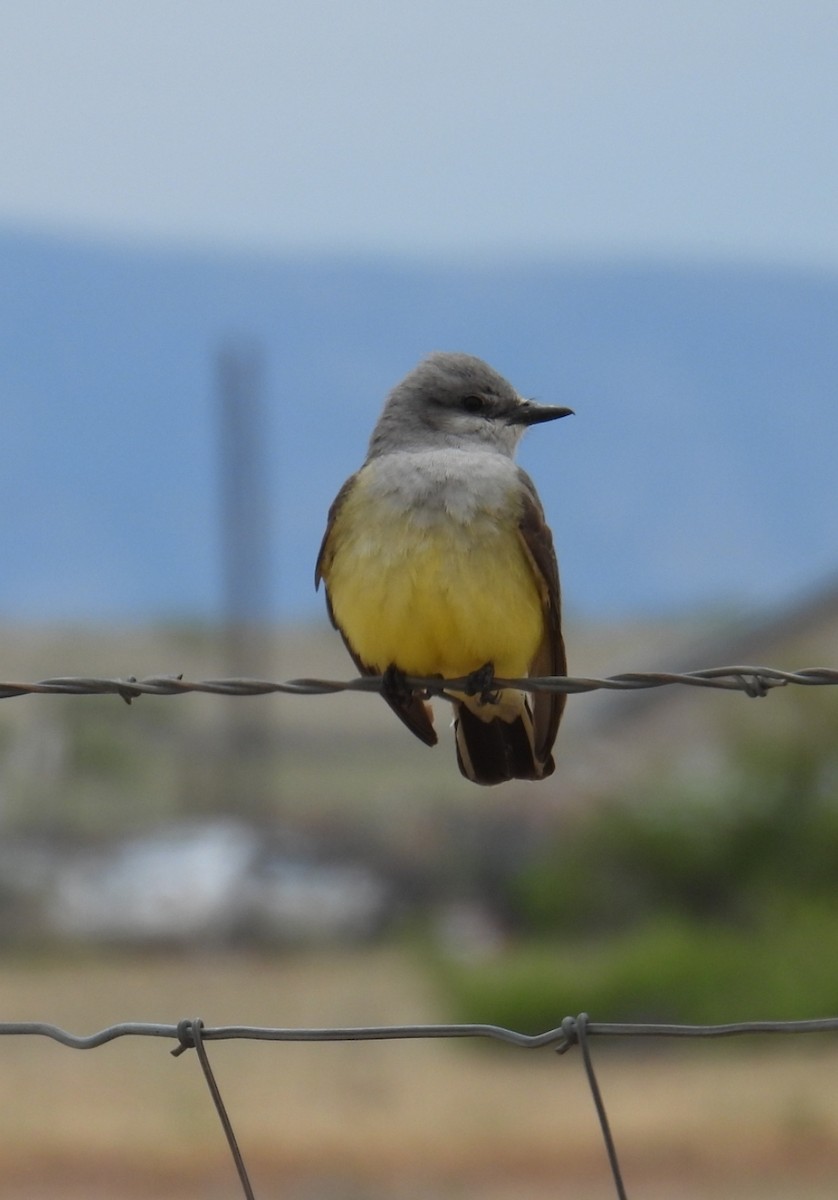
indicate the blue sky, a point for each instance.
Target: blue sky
{"x":449,"y":128}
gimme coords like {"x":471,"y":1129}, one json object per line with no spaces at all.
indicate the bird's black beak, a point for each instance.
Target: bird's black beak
{"x":530,"y":413}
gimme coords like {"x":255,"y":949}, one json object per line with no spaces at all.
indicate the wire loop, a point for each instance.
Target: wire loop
{"x":580,"y":1032}
{"x":190,"y":1036}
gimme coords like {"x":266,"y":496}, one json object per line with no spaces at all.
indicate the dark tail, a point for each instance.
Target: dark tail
{"x":499,"y":748}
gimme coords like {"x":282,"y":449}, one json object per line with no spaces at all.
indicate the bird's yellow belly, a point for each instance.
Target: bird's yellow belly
{"x":437,"y":599}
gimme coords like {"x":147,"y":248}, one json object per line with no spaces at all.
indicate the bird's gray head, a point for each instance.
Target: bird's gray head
{"x":456,"y":400}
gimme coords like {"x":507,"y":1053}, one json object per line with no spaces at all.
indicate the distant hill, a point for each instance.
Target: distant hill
{"x":699,"y":470}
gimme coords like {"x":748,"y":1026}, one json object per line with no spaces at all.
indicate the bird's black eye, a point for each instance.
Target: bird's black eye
{"x":474,"y":404}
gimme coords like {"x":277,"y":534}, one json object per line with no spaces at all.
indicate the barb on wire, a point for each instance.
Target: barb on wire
{"x":751,"y":680}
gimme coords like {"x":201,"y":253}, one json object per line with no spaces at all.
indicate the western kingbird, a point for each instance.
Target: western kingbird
{"x":437,"y":561}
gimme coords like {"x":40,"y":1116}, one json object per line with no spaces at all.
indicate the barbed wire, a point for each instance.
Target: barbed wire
{"x":753,"y":681}
{"x":192,"y":1034}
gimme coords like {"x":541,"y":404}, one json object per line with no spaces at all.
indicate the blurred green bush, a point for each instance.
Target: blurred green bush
{"x":706,"y":905}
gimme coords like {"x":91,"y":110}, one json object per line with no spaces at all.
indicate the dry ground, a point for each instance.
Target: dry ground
{"x":404,"y":1120}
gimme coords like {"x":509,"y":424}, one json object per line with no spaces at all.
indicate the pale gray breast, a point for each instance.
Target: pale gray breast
{"x":455,"y":485}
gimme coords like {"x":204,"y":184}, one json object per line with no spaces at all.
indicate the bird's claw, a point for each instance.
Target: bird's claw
{"x":480,"y":683}
{"x":394,"y":685}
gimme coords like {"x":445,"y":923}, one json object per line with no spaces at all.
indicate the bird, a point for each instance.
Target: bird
{"x":437,"y":561}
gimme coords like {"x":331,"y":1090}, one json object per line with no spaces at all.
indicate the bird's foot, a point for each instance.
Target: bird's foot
{"x":480,"y":683}
{"x":394,"y":686}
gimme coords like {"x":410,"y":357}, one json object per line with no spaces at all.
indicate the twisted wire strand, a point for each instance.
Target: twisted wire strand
{"x":751,"y":680}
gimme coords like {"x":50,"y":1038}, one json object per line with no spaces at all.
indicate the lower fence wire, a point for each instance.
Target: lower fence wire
{"x":191,"y":1033}
{"x":573,"y":1029}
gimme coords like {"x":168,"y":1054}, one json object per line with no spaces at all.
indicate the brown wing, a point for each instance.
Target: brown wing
{"x":408,"y":707}
{"x":547,"y":708}
{"x":324,"y":555}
